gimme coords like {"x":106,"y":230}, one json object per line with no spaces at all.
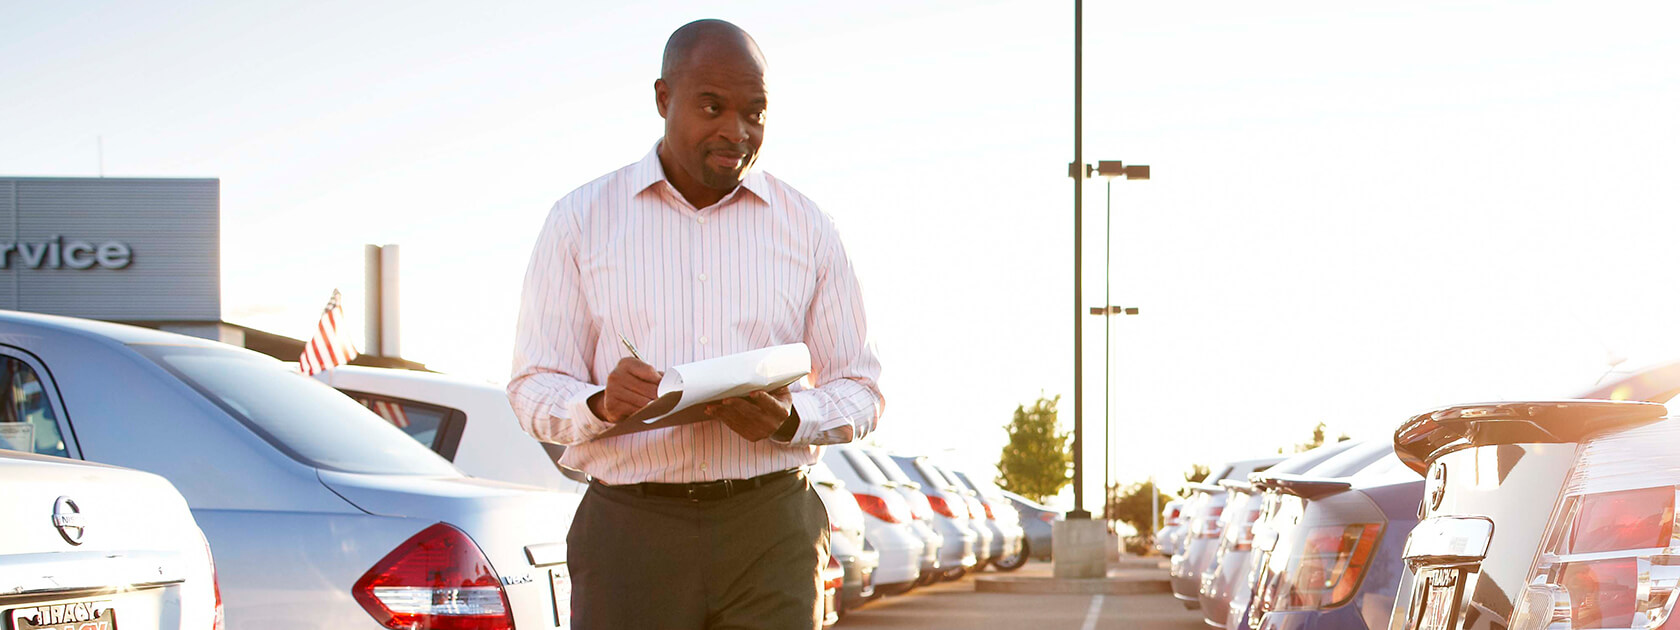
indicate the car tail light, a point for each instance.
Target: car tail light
{"x":939,"y":505}
{"x":1244,"y":540}
{"x":1610,"y":558}
{"x":890,"y":508}
{"x":1324,"y":570}
{"x":974,"y":511}
{"x":1208,"y":525}
{"x":436,"y":580}
{"x":1048,"y":517}
{"x":989,"y":514}
{"x":839,"y":576}
{"x":217,"y":621}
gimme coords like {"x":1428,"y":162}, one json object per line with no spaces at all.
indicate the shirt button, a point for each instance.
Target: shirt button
{"x":702,"y":277}
{"x":701,"y":219}
{"x":703,"y":340}
{"x":702,"y":465}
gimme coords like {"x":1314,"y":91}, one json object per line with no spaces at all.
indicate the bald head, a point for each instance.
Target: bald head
{"x":709,"y":41}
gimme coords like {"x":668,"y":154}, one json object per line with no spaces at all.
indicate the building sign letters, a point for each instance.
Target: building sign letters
{"x":57,"y":253}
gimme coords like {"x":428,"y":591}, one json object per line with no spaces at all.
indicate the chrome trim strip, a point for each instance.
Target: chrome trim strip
{"x":73,"y":571}
{"x":546,"y":554}
{"x":1449,"y":539}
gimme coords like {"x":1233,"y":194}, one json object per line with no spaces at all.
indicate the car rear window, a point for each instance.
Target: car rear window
{"x":888,"y":466}
{"x":304,"y":418}
{"x":864,"y":466}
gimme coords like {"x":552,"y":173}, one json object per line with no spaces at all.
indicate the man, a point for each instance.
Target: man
{"x":690,"y":254}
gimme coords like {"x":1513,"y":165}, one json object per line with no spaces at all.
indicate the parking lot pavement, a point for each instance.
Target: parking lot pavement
{"x":957,"y":606}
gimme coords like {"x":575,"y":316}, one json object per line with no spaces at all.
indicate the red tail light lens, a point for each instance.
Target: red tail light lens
{"x":436,"y":580}
{"x":1326,"y":570}
{"x":989,"y":513}
{"x":889,"y":508}
{"x":1602,"y":594}
{"x":939,"y":505}
{"x":1047,"y":517}
{"x":215,"y":585}
{"x":1634,"y":519}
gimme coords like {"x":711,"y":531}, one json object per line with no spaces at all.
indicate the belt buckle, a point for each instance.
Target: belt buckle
{"x":698,"y":492}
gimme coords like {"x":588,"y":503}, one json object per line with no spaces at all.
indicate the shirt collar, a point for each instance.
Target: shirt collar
{"x":649,"y":171}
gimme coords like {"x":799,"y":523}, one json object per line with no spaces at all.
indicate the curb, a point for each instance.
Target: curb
{"x":1050,"y":585}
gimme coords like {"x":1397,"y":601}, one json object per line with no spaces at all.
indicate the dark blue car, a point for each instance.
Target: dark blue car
{"x":1338,"y":564}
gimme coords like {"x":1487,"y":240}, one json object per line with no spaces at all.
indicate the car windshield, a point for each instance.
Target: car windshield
{"x":308,"y":420}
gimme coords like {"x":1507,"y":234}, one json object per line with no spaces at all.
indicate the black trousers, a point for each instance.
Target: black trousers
{"x":750,"y":561}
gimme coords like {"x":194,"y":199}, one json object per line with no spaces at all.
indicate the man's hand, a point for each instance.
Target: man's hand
{"x":631,"y":386}
{"x":754,"y":417}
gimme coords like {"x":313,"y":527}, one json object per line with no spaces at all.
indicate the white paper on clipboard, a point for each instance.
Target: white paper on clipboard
{"x":689,"y":385}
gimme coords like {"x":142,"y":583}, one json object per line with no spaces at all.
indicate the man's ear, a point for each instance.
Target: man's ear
{"x":662,"y":96}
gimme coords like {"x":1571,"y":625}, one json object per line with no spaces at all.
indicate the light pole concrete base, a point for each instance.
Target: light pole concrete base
{"x":1079,"y":548}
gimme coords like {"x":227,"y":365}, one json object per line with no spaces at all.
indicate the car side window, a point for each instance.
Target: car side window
{"x":420,"y":421}
{"x":27,"y":419}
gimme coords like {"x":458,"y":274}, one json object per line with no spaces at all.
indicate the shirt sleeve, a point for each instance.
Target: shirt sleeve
{"x":846,"y":401}
{"x":554,"y":344}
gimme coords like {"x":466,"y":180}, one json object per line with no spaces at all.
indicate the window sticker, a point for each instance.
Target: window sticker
{"x":17,"y":436}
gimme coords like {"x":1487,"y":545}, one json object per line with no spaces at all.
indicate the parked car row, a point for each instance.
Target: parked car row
{"x":400,"y":499}
{"x":1516,"y":515}
{"x":925,"y":521}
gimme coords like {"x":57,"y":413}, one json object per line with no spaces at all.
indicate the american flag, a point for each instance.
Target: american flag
{"x":390,"y":411}
{"x":329,"y":348}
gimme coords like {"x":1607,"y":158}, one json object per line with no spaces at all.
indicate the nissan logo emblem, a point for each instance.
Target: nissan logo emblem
{"x":68,"y":518}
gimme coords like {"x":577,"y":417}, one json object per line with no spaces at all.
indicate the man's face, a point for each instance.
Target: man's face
{"x":714,"y":118}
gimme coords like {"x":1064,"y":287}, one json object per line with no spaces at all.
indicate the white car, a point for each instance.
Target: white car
{"x":466,"y":421}
{"x":87,"y":543}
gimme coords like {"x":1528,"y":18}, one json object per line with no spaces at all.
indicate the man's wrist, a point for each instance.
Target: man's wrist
{"x":594,"y":403}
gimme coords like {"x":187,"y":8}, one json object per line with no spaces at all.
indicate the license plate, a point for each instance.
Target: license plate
{"x":96,"y":615}
{"x":1440,"y":595}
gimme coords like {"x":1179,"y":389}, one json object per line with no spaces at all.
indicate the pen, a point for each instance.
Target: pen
{"x":631,"y":347}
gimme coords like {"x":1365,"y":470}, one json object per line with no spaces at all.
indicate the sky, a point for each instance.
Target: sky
{"x":1358,"y":211}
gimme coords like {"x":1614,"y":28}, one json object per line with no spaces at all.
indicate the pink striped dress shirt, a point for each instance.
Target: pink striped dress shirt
{"x":628,"y":255}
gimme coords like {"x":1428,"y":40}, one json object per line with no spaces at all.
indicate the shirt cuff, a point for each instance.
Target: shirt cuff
{"x":809,"y":410}
{"x":583,"y":418}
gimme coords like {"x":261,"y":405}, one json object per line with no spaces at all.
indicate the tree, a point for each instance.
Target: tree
{"x":1196,"y":474}
{"x":1036,"y":463}
{"x":1317,"y":440}
{"x":1132,"y":506}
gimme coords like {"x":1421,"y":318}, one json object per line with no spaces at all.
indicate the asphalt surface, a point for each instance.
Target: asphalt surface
{"x":956,"y":606}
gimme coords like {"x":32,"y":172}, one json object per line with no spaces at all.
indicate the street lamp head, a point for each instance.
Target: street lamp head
{"x":1111,"y":168}
{"x":1137,"y":171}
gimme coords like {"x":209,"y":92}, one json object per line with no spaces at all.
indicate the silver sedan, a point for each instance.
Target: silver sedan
{"x":320,"y":514}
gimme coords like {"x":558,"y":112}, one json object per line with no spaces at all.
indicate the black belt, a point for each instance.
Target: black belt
{"x":705,"y":490}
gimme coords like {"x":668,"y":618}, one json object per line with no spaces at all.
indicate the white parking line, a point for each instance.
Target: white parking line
{"x":1096,"y":611}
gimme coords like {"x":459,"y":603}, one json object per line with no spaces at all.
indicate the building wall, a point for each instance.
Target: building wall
{"x":111,"y":248}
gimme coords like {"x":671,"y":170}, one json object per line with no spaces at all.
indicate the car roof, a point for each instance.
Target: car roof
{"x":120,"y":333}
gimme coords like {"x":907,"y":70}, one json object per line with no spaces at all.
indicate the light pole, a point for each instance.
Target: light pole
{"x":1109,"y":170}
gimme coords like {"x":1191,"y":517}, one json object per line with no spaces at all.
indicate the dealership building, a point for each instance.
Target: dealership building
{"x":141,"y":251}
